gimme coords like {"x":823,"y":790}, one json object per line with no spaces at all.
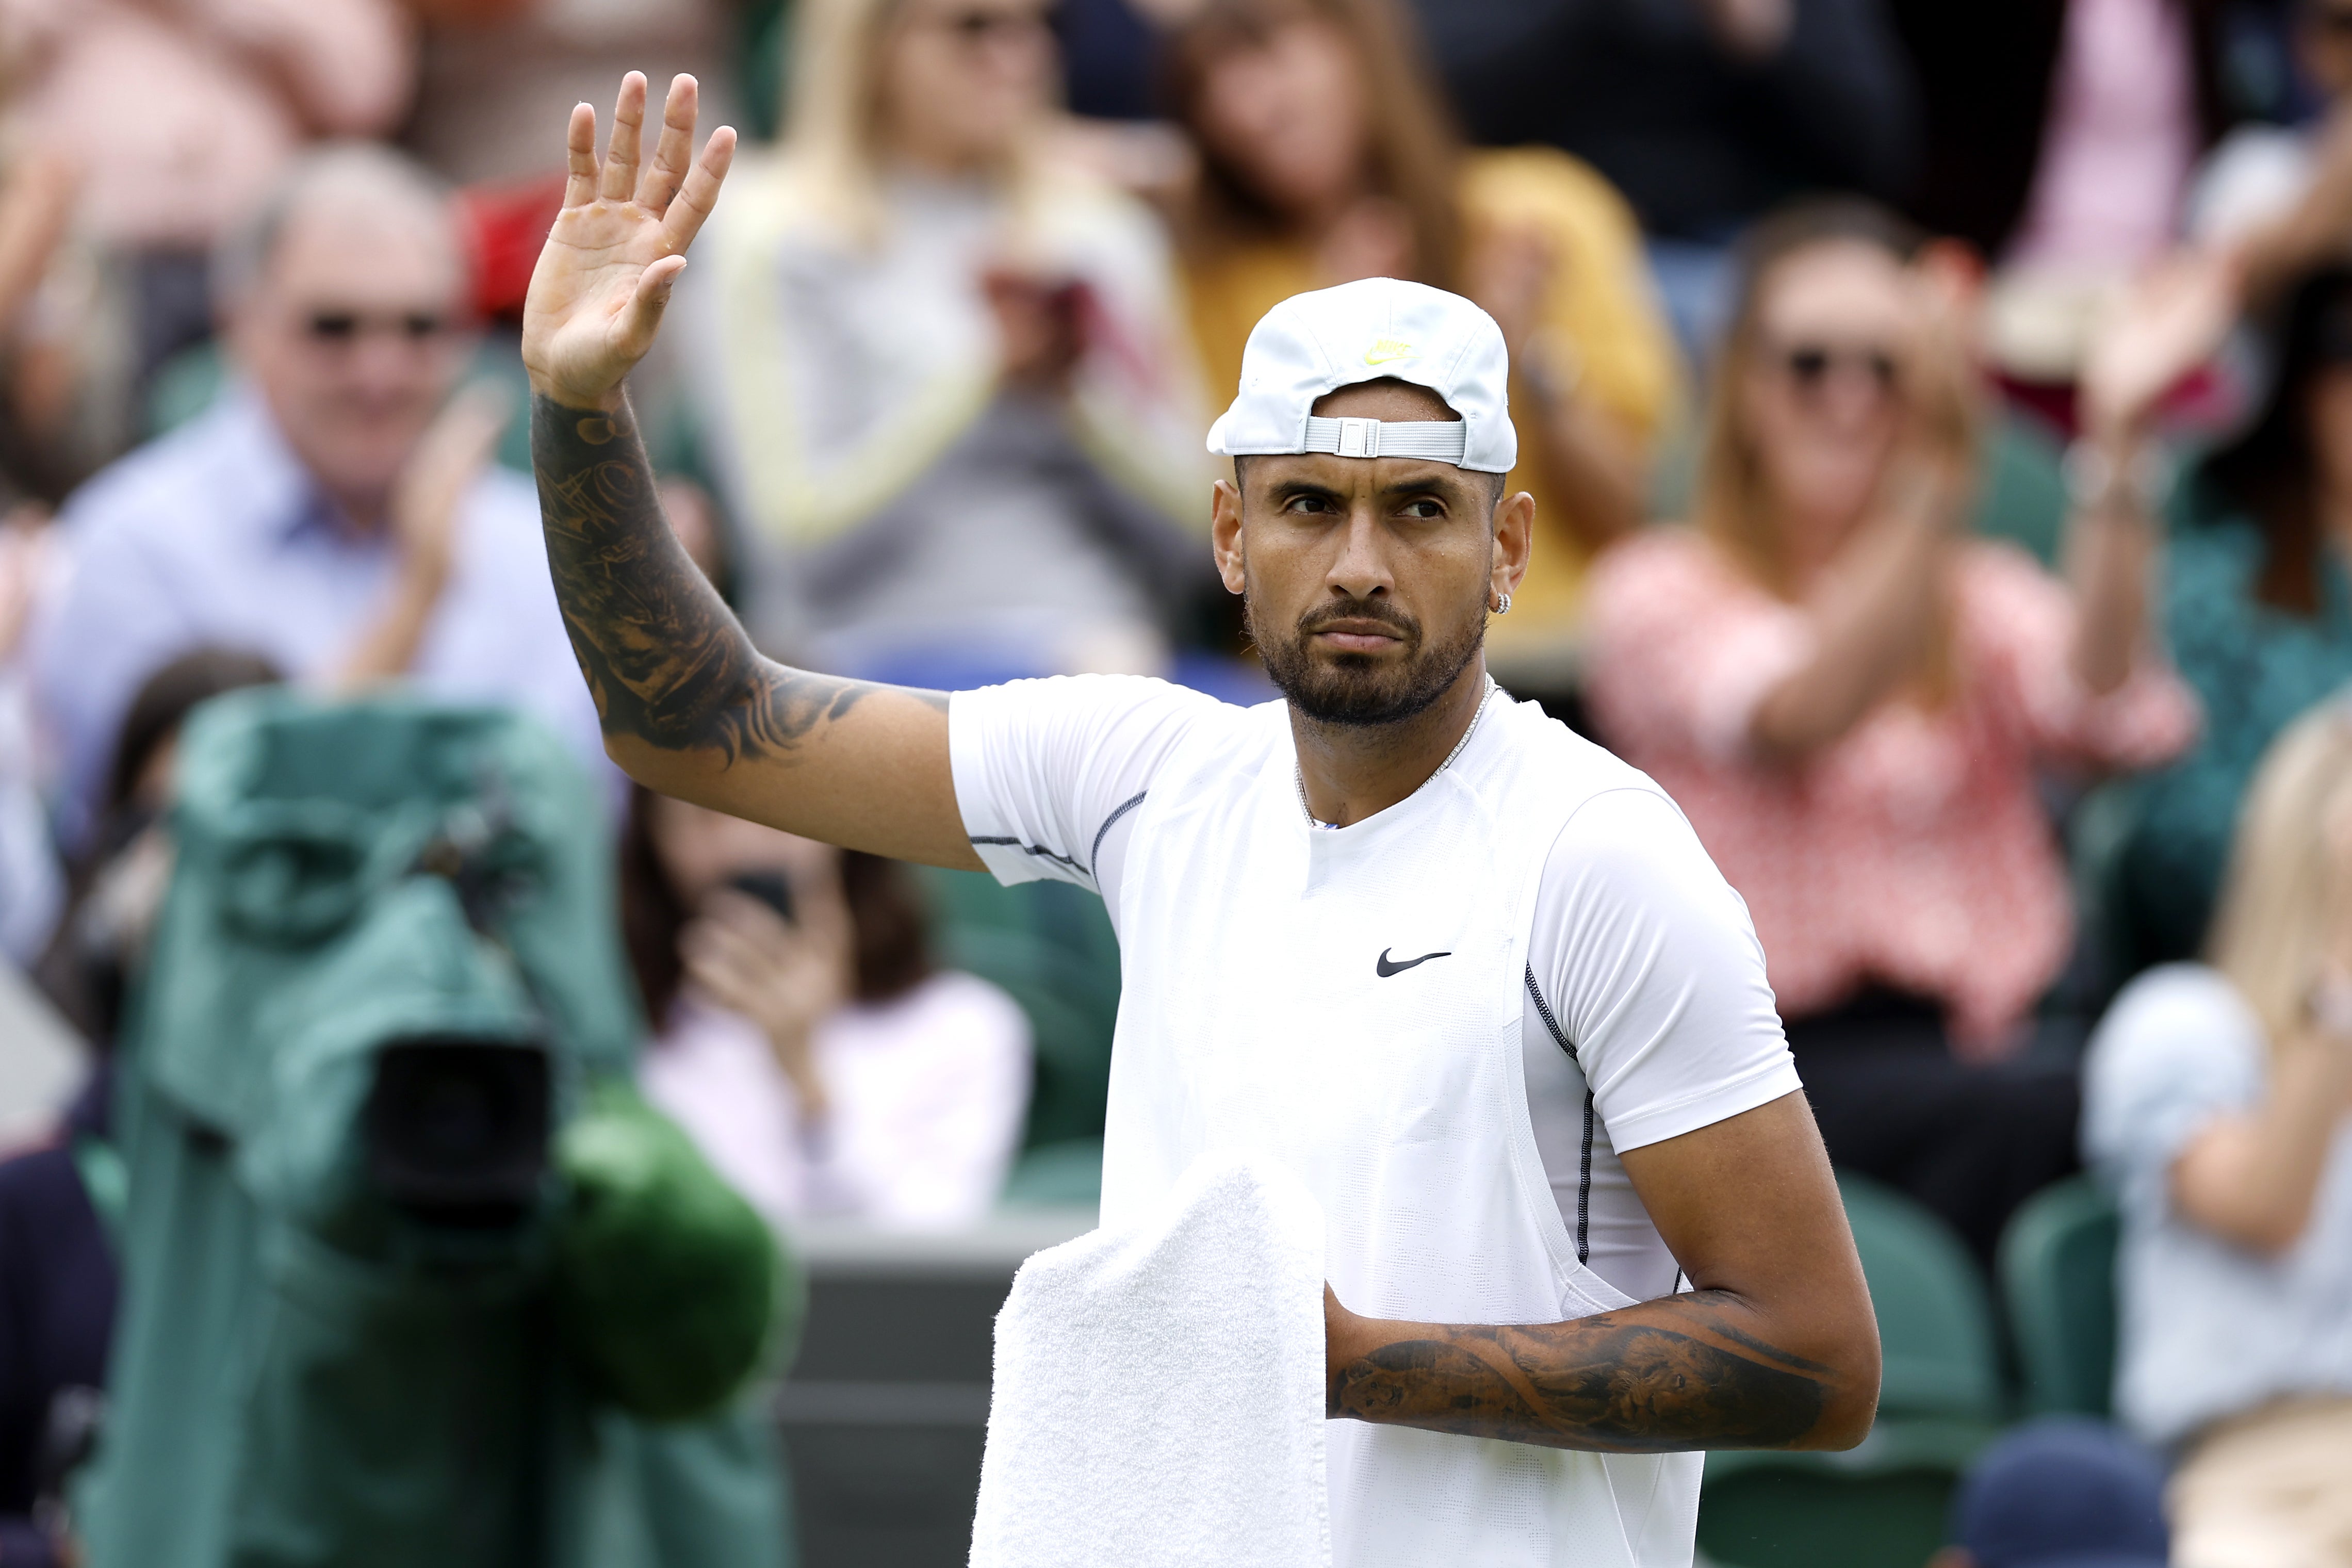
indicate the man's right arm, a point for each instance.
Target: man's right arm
{"x":689,"y":708}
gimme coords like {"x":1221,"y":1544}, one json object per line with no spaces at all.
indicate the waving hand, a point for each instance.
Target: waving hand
{"x":618,"y":245}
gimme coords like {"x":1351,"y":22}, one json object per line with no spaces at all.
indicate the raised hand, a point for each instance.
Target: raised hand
{"x":2173,"y":321}
{"x":618,"y":246}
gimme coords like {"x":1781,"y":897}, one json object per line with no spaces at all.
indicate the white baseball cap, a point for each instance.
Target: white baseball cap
{"x":1368,"y":331}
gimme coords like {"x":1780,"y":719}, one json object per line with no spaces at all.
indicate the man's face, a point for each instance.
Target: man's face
{"x":1367,"y":581}
{"x":350,"y":336}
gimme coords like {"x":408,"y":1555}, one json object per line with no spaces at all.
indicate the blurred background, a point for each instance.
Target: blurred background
{"x":1940,"y":419}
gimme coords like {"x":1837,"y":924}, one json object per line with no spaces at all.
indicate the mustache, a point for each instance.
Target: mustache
{"x":1322,"y":616}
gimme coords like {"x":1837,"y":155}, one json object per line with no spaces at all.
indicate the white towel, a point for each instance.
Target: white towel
{"x":1160,"y":1389}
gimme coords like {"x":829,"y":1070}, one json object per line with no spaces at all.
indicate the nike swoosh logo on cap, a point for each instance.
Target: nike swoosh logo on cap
{"x":1388,"y":351}
{"x":1384,"y":968}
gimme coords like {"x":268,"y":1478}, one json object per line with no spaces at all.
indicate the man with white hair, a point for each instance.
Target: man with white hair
{"x":1467,"y":976}
{"x":335,"y":510}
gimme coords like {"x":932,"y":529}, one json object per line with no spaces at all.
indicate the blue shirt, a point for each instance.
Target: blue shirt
{"x":2209,"y":1330}
{"x":216,"y":534}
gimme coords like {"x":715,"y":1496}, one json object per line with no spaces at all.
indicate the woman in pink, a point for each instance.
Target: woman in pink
{"x":1851,"y":699}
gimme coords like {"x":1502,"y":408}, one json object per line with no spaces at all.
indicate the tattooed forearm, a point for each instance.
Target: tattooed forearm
{"x":665,"y":659}
{"x":1596,"y":1382}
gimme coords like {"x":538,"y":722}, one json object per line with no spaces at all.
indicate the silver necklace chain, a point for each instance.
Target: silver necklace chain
{"x":1299,"y":775}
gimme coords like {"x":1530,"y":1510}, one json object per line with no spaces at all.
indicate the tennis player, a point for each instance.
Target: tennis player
{"x":1470,"y":977}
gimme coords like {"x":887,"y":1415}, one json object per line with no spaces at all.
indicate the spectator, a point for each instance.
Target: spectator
{"x":1326,"y":156}
{"x":493,"y":75}
{"x":825,"y":1065}
{"x":1705,"y":113}
{"x":2059,"y":1492}
{"x":35,"y":205}
{"x":57,"y":1289}
{"x":1851,"y":700}
{"x":2282,"y":195}
{"x":184,"y":116}
{"x":118,"y":889}
{"x":2258,"y":590}
{"x":50,"y":420}
{"x":2020,"y":104}
{"x":2125,"y":116}
{"x":943,"y":387}
{"x":2219,"y":1106}
{"x":319,"y":513}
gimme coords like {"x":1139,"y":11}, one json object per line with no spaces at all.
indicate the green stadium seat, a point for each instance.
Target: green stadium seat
{"x":1882,"y":1504}
{"x":1051,"y":946}
{"x":1068,"y":1174}
{"x":2057,"y":1267}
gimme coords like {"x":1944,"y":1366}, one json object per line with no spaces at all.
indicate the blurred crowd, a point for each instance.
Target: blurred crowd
{"x":1940,"y":421}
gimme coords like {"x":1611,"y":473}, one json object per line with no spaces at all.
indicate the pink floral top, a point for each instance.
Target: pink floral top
{"x":1913,"y":852}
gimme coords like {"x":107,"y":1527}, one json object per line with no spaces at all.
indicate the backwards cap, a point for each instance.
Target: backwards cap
{"x":1370,"y":331}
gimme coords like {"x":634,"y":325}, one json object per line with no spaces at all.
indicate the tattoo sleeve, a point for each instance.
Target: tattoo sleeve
{"x":1598,"y":1382}
{"x":665,"y":659}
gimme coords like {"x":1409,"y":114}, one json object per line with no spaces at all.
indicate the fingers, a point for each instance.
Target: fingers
{"x":455,"y":449}
{"x":644,"y":312}
{"x":467,"y":431}
{"x":695,"y":199}
{"x":580,"y":157}
{"x":674,"y":154}
{"x":741,"y":920}
{"x":620,"y":176}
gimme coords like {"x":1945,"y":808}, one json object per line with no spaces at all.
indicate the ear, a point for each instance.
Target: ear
{"x":1225,"y":534}
{"x":1953,"y":1557}
{"x":1515,"y":540}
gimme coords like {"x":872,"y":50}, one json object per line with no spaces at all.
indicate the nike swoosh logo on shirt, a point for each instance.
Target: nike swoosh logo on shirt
{"x":1384,"y":968}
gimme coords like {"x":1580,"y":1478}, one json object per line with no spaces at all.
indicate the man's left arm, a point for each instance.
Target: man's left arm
{"x":1775,"y":1347}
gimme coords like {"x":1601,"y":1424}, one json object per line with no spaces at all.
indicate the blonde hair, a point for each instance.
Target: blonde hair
{"x":1728,"y":502}
{"x":833,"y":145}
{"x":2269,"y":932}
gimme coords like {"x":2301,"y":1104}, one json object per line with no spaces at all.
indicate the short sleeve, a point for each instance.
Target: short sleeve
{"x":2256,"y":175}
{"x":2178,"y":1048}
{"x":1046,"y":769}
{"x":1654,"y":974}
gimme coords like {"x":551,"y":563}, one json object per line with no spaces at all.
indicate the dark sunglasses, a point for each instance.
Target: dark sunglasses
{"x":2335,"y":21}
{"x":978,"y":27}
{"x":1813,"y":365}
{"x":341,"y":327}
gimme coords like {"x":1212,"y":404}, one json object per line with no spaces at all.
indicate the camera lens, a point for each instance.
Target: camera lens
{"x":457,"y":1129}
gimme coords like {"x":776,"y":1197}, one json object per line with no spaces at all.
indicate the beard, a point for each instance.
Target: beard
{"x":1354,"y":688}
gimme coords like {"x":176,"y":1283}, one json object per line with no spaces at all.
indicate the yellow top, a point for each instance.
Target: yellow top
{"x":1598,"y":314}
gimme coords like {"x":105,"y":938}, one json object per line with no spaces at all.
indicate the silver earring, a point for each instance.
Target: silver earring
{"x":1502,"y":603}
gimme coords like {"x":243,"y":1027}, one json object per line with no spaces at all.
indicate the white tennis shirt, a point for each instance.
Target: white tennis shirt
{"x":1367,"y":1005}
{"x":1646,"y":1015}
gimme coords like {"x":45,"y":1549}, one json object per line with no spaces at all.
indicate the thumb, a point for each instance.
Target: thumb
{"x":643,"y":314}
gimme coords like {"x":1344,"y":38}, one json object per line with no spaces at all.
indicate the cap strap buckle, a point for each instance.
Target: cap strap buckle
{"x":1443,"y":441}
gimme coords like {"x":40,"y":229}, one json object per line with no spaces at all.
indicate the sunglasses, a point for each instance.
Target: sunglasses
{"x":976,"y":28}
{"x":1814,"y":365}
{"x":340,"y":328}
{"x":2335,"y":21}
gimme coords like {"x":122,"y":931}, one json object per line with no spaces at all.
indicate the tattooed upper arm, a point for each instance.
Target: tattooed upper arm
{"x":689,"y":707}
{"x":667,"y":660}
